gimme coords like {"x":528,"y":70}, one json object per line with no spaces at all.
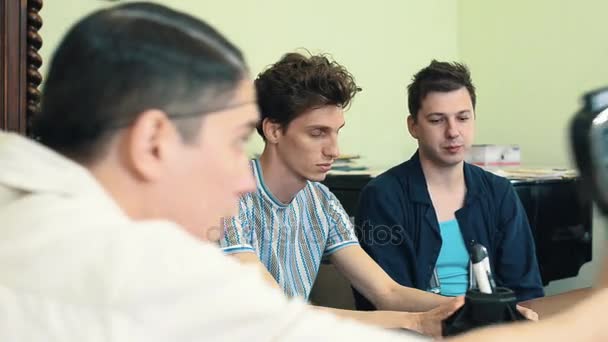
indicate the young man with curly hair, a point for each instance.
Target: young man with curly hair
{"x":292,"y":222}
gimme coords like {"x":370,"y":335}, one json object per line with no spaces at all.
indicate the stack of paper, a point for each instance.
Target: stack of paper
{"x":534,"y":173}
{"x":347,"y":162}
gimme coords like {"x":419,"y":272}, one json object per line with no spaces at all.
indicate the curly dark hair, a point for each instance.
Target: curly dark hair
{"x":297,"y":83}
{"x":438,"y":77}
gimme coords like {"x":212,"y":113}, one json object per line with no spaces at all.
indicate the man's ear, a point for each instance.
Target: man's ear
{"x":151,"y":140}
{"x":412,"y":126}
{"x":272,"y":131}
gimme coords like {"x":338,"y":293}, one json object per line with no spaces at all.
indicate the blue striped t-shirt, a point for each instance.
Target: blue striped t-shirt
{"x":291,"y":239}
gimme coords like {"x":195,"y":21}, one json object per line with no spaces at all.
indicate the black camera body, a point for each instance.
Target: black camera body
{"x":589,"y":143}
{"x":483,"y":309}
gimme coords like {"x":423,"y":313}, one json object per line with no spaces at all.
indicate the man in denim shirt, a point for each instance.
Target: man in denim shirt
{"x":419,"y":219}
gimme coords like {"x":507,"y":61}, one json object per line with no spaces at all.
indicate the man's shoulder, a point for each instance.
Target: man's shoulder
{"x":248,"y":201}
{"x":489,"y":179}
{"x":96,"y":251}
{"x":319,"y":190}
{"x":391,"y":178}
{"x":137,"y":270}
{"x":488,"y":182}
{"x":139,"y":254}
{"x":322,"y":199}
{"x":170,"y":241}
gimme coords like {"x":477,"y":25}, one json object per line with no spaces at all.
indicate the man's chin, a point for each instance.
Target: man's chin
{"x":453,"y":162}
{"x":450,"y":161}
{"x":317,"y":177}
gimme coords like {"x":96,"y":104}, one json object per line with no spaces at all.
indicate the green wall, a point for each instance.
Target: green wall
{"x":382,"y":43}
{"x":530,"y":61}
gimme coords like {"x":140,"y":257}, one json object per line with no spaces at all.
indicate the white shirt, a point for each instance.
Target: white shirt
{"x":74,"y":267}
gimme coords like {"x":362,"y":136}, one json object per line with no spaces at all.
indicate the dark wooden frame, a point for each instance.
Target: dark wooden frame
{"x":20,"y":61}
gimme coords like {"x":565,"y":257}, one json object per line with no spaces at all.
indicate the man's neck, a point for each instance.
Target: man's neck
{"x":120,"y":189}
{"x":447,"y":177}
{"x":278,"y":178}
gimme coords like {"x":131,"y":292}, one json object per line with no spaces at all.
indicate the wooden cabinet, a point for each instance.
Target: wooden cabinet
{"x":19,"y":45}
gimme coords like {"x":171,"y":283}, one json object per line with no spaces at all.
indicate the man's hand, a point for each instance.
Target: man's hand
{"x":528,"y":313}
{"x":429,"y":323}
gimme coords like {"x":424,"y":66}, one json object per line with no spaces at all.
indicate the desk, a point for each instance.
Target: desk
{"x":550,"y":305}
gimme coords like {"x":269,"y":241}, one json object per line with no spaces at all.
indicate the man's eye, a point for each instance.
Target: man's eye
{"x":434,"y":121}
{"x":316,"y":133}
{"x":464,"y":118}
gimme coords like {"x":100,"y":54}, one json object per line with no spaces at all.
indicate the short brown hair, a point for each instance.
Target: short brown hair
{"x":297,"y":83}
{"x":438,"y":77}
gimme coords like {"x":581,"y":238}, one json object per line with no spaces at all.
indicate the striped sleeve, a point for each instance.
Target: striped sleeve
{"x":237,"y":232}
{"x":341,"y":231}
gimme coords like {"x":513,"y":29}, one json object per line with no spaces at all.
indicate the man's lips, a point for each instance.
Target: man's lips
{"x":453,"y":148}
{"x":325,"y":167}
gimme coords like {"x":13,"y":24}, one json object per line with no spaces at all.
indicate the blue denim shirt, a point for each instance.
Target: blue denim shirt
{"x":397,"y":226}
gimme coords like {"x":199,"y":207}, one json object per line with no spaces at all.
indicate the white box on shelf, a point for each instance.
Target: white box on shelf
{"x":491,"y":155}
